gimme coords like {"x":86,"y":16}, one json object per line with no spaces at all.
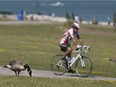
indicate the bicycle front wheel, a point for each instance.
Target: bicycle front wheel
{"x":58,"y":65}
{"x":84,"y":67}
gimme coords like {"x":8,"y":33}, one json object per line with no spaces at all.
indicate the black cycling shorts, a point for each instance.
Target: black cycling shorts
{"x":64,"y":47}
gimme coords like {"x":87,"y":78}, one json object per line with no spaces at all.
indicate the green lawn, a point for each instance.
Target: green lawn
{"x":37,"y":44}
{"x":8,"y":81}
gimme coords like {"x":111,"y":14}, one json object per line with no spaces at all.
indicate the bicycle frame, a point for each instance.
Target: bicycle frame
{"x":59,"y":66}
{"x":76,"y":58}
{"x":79,"y":56}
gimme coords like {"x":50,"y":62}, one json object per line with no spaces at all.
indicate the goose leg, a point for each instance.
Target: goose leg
{"x":18,"y":72}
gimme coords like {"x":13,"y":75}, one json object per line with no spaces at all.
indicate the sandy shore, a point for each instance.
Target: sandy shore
{"x":46,"y":18}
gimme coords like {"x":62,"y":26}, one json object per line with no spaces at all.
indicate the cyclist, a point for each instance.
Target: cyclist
{"x":65,"y":42}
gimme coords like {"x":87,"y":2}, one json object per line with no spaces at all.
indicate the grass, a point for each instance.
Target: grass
{"x":32,"y":44}
{"x":8,"y":81}
{"x":37,"y":44}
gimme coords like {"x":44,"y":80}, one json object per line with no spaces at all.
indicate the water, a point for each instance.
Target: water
{"x":87,"y":10}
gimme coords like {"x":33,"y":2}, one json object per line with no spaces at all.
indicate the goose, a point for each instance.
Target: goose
{"x":17,"y":66}
{"x":113,"y":60}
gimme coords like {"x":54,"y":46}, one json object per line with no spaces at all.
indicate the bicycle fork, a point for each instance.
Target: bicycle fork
{"x":82,"y":62}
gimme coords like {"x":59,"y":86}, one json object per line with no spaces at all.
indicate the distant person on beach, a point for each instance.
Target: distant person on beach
{"x":109,"y":20}
{"x":65,"y":42}
{"x":77,"y":19}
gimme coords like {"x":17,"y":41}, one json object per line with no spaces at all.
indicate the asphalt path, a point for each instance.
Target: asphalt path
{"x":49,"y":74}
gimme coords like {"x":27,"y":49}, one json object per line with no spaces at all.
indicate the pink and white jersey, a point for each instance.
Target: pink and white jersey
{"x":67,"y":37}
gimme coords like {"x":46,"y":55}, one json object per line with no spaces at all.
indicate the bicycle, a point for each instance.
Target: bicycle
{"x":83,"y":64}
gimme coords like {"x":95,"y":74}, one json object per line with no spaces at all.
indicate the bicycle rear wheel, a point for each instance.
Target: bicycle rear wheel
{"x":58,"y":65}
{"x":84,"y":71}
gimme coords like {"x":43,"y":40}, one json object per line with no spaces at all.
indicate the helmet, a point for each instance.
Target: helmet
{"x":75,"y":25}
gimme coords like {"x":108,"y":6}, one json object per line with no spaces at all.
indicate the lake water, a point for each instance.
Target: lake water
{"x":82,"y":8}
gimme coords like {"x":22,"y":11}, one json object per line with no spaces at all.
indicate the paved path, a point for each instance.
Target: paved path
{"x":49,"y":74}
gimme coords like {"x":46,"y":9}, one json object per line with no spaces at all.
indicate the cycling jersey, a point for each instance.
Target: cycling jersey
{"x":68,"y":35}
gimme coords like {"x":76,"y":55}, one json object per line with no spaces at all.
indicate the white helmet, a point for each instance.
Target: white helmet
{"x":75,"y":25}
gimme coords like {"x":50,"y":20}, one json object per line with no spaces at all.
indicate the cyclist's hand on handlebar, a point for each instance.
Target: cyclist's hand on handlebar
{"x":83,"y":48}
{"x":77,"y":48}
{"x":86,"y":48}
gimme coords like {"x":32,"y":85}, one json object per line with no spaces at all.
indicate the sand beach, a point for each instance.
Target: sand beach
{"x":46,"y":18}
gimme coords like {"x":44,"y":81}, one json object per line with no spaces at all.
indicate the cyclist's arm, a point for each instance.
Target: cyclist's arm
{"x":72,"y":37}
{"x":74,"y":41}
{"x":81,"y":41}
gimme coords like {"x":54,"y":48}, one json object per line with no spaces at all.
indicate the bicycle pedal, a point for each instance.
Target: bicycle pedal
{"x":83,"y":67}
{"x":69,"y":63}
{"x":71,"y":71}
{"x":67,"y":69}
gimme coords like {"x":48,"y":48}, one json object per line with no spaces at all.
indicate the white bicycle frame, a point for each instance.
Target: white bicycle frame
{"x":80,"y":51}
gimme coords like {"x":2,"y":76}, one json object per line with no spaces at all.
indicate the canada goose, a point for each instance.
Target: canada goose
{"x":113,"y":60}
{"x":18,"y":66}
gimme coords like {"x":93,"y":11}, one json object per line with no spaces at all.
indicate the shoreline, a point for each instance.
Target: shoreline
{"x":46,"y":18}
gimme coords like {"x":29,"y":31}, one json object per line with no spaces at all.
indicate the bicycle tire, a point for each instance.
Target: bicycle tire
{"x":58,"y":69}
{"x":84,"y":71}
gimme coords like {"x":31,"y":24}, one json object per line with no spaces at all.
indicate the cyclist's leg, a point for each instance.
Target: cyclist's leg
{"x":68,"y":53}
{"x":65,"y":48}
{"x":68,"y":50}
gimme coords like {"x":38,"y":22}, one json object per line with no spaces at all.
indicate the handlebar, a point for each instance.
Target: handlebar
{"x":82,"y":49}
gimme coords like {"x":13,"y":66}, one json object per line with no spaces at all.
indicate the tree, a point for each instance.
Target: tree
{"x":67,"y":16}
{"x":114,"y":19}
{"x":73,"y":16}
{"x":68,"y":20}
